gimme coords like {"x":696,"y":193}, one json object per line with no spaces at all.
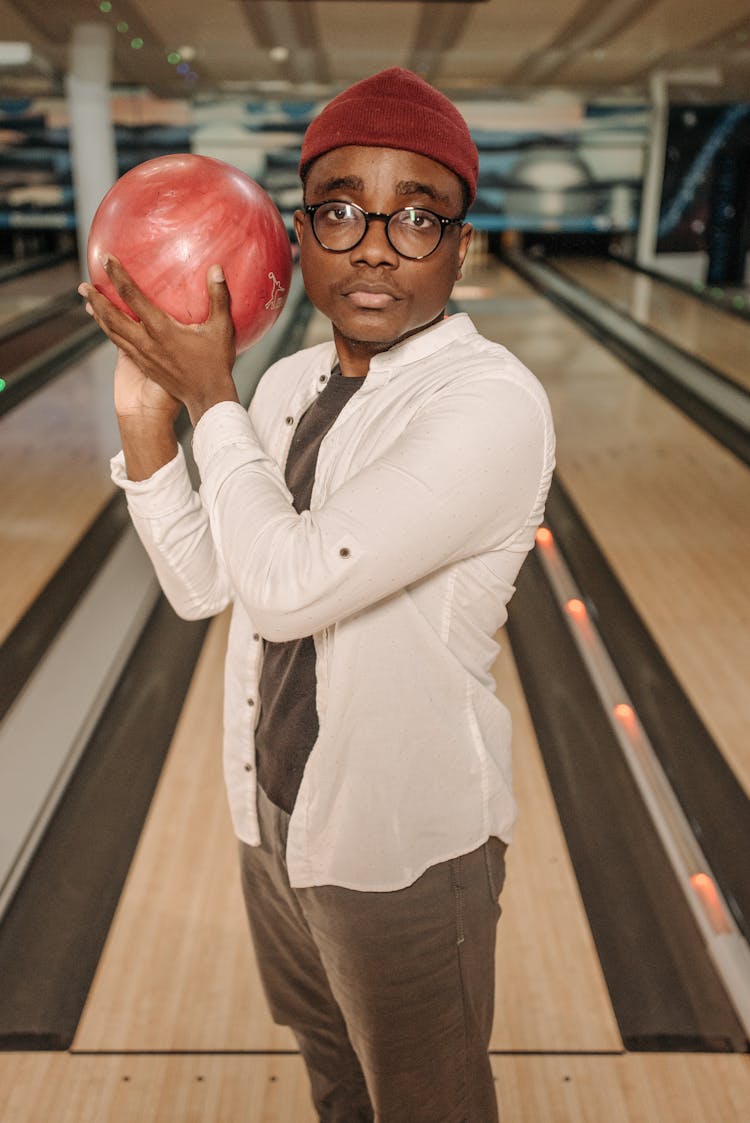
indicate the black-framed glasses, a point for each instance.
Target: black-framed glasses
{"x":413,"y":232}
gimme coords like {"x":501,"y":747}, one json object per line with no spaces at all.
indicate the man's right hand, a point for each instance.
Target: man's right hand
{"x":139,"y":398}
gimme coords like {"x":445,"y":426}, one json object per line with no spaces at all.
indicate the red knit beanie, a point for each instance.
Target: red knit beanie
{"x":395,"y":109}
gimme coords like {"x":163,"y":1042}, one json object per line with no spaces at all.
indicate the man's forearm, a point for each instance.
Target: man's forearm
{"x":148,"y":444}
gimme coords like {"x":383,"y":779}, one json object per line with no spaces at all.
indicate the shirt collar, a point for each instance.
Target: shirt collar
{"x":422,"y":345}
{"x":419,"y":346}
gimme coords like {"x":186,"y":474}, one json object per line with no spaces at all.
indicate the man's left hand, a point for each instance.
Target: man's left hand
{"x":192,"y":362}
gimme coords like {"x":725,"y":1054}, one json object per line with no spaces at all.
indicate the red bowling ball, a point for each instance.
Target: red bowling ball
{"x":169,"y":218}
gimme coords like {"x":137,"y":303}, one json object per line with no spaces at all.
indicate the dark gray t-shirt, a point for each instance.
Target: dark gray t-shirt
{"x":288,"y":723}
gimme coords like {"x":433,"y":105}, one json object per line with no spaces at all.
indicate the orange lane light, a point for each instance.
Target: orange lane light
{"x":576,"y":608}
{"x":706,"y":891}
{"x":623,"y":712}
{"x":544,"y":536}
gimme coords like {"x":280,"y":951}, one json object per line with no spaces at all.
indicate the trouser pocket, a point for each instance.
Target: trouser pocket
{"x":494,"y":857}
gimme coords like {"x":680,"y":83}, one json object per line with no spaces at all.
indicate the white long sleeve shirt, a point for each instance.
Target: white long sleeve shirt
{"x":429,"y":488}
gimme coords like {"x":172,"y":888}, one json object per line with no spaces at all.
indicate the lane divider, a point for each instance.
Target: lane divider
{"x":725,"y":943}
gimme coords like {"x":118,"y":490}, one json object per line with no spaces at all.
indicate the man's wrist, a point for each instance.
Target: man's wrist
{"x":197,"y":407}
{"x":148,"y":442}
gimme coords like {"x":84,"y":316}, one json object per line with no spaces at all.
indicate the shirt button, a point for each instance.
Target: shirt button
{"x":344,"y":552}
{"x":248,"y":767}
{"x":256,"y":636}
{"x":323,"y":378}
{"x":290,"y":421}
{"x":251,"y":701}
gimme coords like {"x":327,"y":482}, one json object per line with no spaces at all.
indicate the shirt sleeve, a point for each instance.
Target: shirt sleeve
{"x":173,"y":526}
{"x":469,"y":474}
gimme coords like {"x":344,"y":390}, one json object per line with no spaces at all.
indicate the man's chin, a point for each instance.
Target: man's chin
{"x":377,"y":338}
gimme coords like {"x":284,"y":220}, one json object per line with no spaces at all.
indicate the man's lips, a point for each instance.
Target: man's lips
{"x":370,"y":296}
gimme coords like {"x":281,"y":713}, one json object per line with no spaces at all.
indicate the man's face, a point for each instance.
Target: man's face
{"x":372,"y":296}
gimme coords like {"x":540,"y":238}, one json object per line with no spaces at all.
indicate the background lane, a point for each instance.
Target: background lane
{"x":710,"y":334}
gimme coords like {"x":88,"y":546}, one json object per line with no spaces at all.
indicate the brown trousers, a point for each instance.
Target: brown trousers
{"x":389,"y":995}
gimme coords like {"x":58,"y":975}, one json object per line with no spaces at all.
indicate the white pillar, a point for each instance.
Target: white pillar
{"x":92,"y":140}
{"x":653,"y":180}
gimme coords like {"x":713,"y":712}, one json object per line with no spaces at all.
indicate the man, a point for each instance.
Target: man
{"x":367,"y":520}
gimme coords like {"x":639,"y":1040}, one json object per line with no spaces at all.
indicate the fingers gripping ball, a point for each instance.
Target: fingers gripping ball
{"x":170,"y":218}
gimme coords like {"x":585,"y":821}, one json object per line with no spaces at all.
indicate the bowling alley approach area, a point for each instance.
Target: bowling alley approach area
{"x":610,"y":254}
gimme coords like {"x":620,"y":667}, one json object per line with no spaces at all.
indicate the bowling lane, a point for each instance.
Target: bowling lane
{"x":177,"y":972}
{"x":54,"y":462}
{"x":32,"y":291}
{"x":711,"y":334}
{"x":55,"y":448}
{"x":646,"y":1088}
{"x":669,"y":506}
{"x":177,"y":992}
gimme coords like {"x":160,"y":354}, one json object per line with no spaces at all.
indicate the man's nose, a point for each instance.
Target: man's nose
{"x":375,"y":249}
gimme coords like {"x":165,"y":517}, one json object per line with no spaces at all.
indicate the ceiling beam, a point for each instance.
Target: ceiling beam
{"x":593,"y":24}
{"x":292,"y":26}
{"x":439,"y":29}
{"x":734,"y":39}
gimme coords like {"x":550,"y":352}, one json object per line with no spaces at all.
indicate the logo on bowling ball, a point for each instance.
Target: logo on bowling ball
{"x":169,"y":218}
{"x":277,"y":293}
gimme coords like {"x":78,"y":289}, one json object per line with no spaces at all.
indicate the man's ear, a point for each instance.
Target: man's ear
{"x":464,"y":241}
{"x":299,"y":224}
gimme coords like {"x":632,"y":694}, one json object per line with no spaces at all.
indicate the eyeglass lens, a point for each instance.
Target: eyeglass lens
{"x":412,"y":232}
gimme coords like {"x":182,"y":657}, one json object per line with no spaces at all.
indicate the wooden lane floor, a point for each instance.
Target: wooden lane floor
{"x":668,"y":505}
{"x":54,"y":465}
{"x":55,"y":448}
{"x":177,"y":972}
{"x":709,"y":333}
{"x":176,"y":1029}
{"x":643,"y":1088}
{"x":176,"y":1026}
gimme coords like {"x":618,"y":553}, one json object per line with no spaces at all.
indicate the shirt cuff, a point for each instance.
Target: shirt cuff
{"x":225,"y":441}
{"x":226,"y":423}
{"x":165,"y":491}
